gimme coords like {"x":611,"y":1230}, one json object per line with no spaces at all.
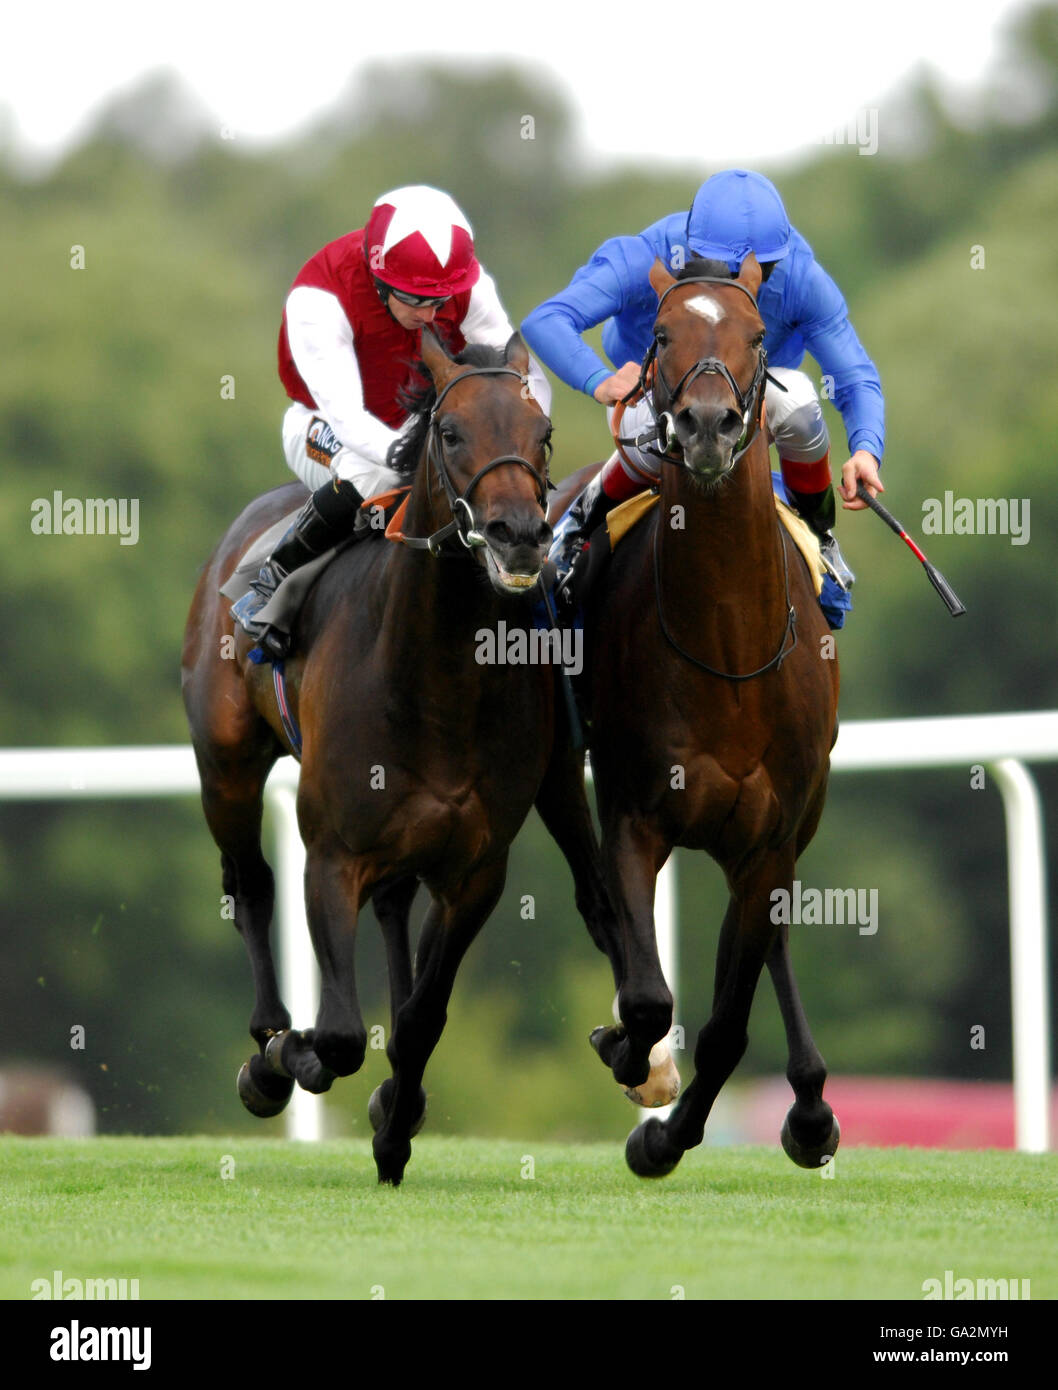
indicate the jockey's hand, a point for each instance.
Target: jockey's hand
{"x":861,"y":468}
{"x":615,"y":388}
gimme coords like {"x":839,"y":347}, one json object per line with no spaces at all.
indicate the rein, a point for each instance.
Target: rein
{"x":750,"y":405}
{"x":462,"y":522}
{"x":789,"y":632}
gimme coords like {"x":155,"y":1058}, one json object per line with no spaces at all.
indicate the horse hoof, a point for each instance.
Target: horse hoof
{"x":274,"y":1053}
{"x":612,"y":1045}
{"x":641,"y":1151}
{"x":376,"y":1109}
{"x":262,"y":1093}
{"x":662,"y":1086}
{"x":391,"y":1161}
{"x":811,"y":1155}
{"x":602,"y":1040}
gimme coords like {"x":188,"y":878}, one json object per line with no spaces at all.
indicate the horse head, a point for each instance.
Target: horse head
{"x":487,"y":448}
{"x":710,"y":365}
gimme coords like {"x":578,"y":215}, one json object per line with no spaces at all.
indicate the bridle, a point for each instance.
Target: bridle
{"x":462,"y":523}
{"x":751,"y":406}
{"x":750,"y":403}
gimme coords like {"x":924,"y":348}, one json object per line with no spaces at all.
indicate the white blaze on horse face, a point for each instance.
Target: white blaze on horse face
{"x":706,"y":307}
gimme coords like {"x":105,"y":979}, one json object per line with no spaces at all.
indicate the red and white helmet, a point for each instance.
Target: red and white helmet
{"x":418,"y":241}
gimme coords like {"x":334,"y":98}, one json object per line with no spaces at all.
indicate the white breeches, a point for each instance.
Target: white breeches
{"x":369,"y":478}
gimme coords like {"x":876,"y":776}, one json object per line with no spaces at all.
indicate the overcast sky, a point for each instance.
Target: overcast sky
{"x":733,"y":83}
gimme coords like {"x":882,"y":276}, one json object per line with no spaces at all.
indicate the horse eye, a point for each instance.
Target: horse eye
{"x":661,"y":337}
{"x":449,"y":437}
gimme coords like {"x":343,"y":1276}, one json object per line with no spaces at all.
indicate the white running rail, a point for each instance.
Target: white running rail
{"x":1001,"y":743}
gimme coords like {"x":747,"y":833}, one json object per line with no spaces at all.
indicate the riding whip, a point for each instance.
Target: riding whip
{"x":951,"y":599}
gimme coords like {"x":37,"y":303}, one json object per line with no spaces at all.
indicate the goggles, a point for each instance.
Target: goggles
{"x":418,"y":301}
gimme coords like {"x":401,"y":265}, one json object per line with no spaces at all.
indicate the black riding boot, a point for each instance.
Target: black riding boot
{"x":325,"y":521}
{"x":819,"y":509}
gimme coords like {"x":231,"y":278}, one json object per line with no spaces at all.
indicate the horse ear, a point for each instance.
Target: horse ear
{"x":516,"y":354}
{"x":436,"y":359}
{"x":660,"y":278}
{"x":749,"y":274}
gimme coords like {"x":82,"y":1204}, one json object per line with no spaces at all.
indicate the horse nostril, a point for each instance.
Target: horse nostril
{"x":687,"y":423}
{"x":499,"y":533}
{"x":730,"y":425}
{"x":544,"y":533}
{"x":699,"y":423}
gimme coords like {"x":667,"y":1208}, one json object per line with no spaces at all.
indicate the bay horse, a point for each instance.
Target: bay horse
{"x":419,"y":762}
{"x":712,"y":701}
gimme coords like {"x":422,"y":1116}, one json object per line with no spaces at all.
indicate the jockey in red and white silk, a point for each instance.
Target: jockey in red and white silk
{"x":346,"y":340}
{"x":351,"y":333}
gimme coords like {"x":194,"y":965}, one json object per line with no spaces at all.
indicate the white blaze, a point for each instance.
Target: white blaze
{"x":706,"y":307}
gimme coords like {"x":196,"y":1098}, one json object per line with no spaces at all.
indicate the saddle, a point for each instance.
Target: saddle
{"x":627,"y":515}
{"x":286,"y":603}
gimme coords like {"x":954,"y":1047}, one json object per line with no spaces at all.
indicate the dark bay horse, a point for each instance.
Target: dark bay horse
{"x":713,"y":709}
{"x":419,"y":762}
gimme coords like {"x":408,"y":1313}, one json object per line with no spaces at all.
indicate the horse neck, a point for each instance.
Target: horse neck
{"x":730,"y":544}
{"x":435,"y":604}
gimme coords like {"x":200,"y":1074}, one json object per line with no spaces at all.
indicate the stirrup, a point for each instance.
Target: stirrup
{"x":257,"y":596}
{"x":834,"y":562}
{"x":272,"y":644}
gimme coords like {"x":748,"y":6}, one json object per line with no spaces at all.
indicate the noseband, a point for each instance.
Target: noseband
{"x":462,"y":523}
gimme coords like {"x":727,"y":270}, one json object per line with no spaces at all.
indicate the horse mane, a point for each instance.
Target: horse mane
{"x":418,"y":401}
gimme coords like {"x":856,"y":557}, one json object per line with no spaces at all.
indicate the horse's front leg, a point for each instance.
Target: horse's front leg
{"x":563,"y":807}
{"x":654,"y":1148}
{"x":636,"y":1050}
{"x":810,"y":1133}
{"x":451,"y":924}
{"x":337,"y":1044}
{"x":392,"y":903}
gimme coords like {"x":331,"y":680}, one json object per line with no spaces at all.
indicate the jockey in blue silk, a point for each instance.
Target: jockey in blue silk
{"x":733,"y":213}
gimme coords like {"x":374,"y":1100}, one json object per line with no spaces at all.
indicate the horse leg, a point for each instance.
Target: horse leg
{"x":563,"y":807}
{"x":449,"y":929}
{"x":337,"y":1044}
{"x":392,"y":903}
{"x":232,"y":798}
{"x":654,"y":1148}
{"x":636,"y":1050}
{"x":564,"y":810}
{"x":810,"y":1133}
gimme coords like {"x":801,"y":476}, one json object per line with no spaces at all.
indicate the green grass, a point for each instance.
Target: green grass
{"x":295,"y":1221}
